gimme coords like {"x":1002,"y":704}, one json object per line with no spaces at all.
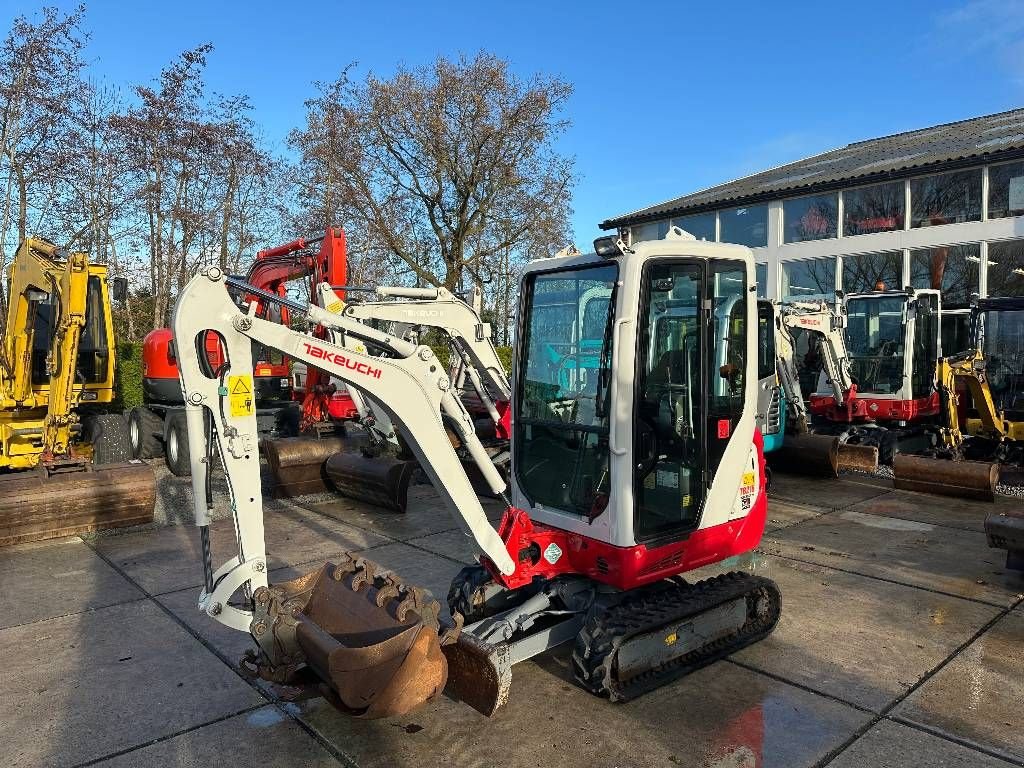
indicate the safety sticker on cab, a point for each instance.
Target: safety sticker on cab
{"x":746,"y":490}
{"x":240,"y":395}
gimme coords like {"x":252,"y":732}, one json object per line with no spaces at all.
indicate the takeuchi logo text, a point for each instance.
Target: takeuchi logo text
{"x":344,"y":362}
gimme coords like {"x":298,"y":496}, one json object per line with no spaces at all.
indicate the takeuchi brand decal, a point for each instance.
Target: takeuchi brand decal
{"x":332,"y":357}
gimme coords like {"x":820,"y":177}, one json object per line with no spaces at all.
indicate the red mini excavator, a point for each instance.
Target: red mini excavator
{"x":635,"y":461}
{"x":158,"y":426}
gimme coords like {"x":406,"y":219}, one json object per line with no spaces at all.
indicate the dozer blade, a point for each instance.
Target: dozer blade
{"x":963,"y":479}
{"x":479,"y":674}
{"x":807,"y":454}
{"x":297,"y":463}
{"x":44,"y":504}
{"x":380,"y":480}
{"x":858,"y":458}
{"x":374,"y":643}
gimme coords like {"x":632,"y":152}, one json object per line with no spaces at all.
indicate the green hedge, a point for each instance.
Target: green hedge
{"x":128,"y":379}
{"x":505,"y":355}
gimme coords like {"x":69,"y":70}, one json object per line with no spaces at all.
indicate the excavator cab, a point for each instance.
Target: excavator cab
{"x":999,"y":328}
{"x":94,"y":370}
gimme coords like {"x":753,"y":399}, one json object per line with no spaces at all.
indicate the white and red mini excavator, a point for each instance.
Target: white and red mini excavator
{"x":635,"y":460}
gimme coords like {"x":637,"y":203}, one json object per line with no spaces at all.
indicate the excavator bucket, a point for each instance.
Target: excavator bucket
{"x":373,"y":643}
{"x":304,"y":465}
{"x":963,"y":479}
{"x":49,"y":502}
{"x":380,"y":480}
{"x":297,"y":463}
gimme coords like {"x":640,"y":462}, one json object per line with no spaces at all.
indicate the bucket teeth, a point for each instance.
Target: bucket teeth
{"x":451,"y":632}
{"x":407,"y":603}
{"x":364,"y":574}
{"x":373,"y":643}
{"x":385,"y":593}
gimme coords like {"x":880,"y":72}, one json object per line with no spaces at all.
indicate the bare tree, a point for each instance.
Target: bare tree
{"x":40,"y":97}
{"x":440,"y":169}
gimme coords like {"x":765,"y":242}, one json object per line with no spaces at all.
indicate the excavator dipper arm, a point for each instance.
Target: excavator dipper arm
{"x":410,"y":385}
{"x":439,"y":308}
{"x":375,"y":641}
{"x":827,"y":326}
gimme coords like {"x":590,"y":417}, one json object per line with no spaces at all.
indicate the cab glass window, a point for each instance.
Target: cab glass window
{"x":563,"y":389}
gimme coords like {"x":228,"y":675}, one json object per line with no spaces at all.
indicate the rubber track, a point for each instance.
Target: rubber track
{"x":659,"y":605}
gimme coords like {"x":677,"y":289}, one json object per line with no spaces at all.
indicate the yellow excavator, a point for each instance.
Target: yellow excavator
{"x":968,"y":479}
{"x":64,"y":450}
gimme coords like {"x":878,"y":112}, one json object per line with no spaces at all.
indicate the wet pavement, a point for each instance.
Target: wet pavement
{"x":901,"y":644}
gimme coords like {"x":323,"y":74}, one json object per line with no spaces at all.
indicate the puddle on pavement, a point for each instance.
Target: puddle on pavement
{"x":268,"y":716}
{"x":887,"y":523}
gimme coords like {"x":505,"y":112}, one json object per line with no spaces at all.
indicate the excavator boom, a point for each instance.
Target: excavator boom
{"x":803,"y":452}
{"x":311,"y":618}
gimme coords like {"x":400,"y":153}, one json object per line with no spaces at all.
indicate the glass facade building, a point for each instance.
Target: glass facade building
{"x":960,"y":231}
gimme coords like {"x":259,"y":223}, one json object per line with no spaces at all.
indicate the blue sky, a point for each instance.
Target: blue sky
{"x":669,"y":97}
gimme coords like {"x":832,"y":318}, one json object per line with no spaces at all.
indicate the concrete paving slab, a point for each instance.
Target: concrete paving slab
{"x":418,"y":568}
{"x":264,"y":737}
{"x":782,"y":514}
{"x":722,"y":715}
{"x":52,"y":578}
{"x":977,"y":696}
{"x":294,"y":537}
{"x":230,"y":643}
{"x":862,"y":640}
{"x":822,"y":492}
{"x":454,"y":544}
{"x":426,"y":514}
{"x":81,"y":687}
{"x":937,"y":510}
{"x":921,"y":554}
{"x":891,"y":745}
{"x":168,"y":559}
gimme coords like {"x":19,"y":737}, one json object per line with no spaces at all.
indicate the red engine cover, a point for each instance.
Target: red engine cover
{"x":159,"y":361}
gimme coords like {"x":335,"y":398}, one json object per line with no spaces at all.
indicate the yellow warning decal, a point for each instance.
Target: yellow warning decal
{"x":240,"y":395}
{"x":748,"y":478}
{"x":335,"y":306}
{"x":672,"y":639}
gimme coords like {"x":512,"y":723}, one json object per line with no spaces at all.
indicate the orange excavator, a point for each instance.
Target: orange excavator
{"x":157,"y":427}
